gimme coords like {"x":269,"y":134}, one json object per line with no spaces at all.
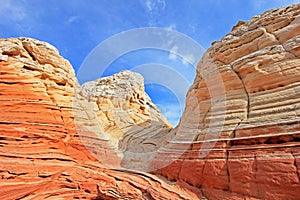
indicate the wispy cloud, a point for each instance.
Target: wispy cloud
{"x":187,"y":59}
{"x":171,"y":27}
{"x":155,"y":5}
{"x":162,"y":4}
{"x":173,"y":53}
{"x":285,"y":2}
{"x":171,"y":111}
{"x":11,"y":11}
{"x":149,"y":5}
{"x":275,"y":3}
{"x":72,"y":19}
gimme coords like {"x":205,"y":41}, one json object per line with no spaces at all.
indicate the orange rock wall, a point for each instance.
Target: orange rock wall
{"x":239,"y":137}
{"x":242,"y":111}
{"x":41,"y":153}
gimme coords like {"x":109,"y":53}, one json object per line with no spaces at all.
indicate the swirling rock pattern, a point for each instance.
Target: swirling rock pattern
{"x":242,"y":114}
{"x":127,"y":117}
{"x":41,"y":151}
{"x":239,"y":137}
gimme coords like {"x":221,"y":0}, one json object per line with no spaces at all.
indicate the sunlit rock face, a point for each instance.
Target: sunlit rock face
{"x":48,"y":147}
{"x":240,"y":132}
{"x":238,"y":138}
{"x":135,"y":128}
{"x":122,"y":106}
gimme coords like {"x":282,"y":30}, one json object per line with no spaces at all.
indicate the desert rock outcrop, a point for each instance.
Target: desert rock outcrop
{"x":239,"y":135}
{"x":41,"y":152}
{"x":127,"y":117}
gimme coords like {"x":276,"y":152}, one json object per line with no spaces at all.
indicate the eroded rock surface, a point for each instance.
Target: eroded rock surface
{"x":42,"y":155}
{"x":125,"y":116}
{"x":239,"y":137}
{"x":240,"y":132}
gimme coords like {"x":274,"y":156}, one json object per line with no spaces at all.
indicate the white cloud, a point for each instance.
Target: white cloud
{"x":11,"y":11}
{"x":162,"y":4}
{"x":172,"y":56}
{"x":73,"y":19}
{"x":286,"y":2}
{"x":149,"y":5}
{"x":275,"y":3}
{"x":171,"y":111}
{"x":171,"y":27}
{"x":173,"y":53}
{"x":157,"y":5}
{"x":188,"y":59}
{"x":184,"y":62}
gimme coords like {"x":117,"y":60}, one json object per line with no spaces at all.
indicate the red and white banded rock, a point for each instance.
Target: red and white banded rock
{"x":252,"y":138}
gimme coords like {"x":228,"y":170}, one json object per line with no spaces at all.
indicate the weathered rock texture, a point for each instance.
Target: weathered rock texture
{"x":239,"y":137}
{"x":41,"y":151}
{"x":127,"y":117}
{"x":249,"y":145}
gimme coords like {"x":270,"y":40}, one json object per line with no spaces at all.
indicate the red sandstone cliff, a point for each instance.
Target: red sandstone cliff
{"x":239,"y":137}
{"x":243,"y":114}
{"x":41,"y":153}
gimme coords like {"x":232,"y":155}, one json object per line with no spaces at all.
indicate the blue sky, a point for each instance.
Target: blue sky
{"x":76,"y":27}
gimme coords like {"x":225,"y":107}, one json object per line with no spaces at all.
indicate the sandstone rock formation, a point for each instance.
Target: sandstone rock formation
{"x":240,"y":133}
{"x":127,"y":117}
{"x":41,"y":153}
{"x":238,"y":138}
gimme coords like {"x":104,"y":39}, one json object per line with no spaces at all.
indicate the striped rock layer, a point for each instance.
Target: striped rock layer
{"x":239,"y":137}
{"x":46,"y":135}
{"x":126,"y":116}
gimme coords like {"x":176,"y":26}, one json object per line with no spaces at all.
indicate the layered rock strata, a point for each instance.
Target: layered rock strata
{"x":42,"y":155}
{"x":127,"y":117}
{"x":239,"y":136}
